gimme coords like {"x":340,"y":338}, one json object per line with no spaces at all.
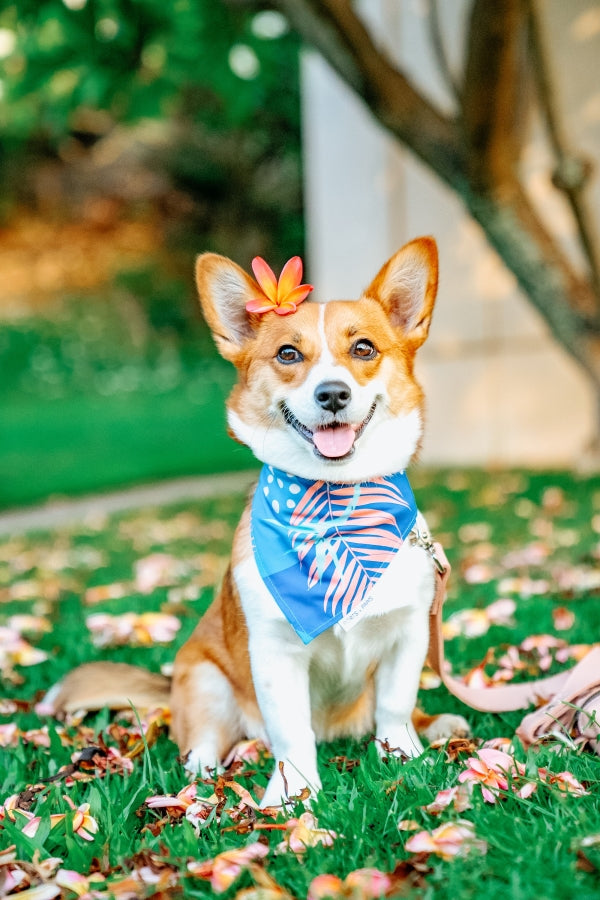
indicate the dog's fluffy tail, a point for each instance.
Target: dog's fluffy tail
{"x":105,"y":684}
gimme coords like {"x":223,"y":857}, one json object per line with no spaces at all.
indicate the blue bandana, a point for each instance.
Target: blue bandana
{"x":320,"y":546}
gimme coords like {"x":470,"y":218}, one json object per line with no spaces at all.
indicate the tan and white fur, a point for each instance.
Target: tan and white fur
{"x":341,"y":364}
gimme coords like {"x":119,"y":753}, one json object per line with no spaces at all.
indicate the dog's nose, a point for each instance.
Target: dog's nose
{"x":333,"y":395}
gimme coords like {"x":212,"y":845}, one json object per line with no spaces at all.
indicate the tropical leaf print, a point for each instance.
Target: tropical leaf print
{"x":347,"y":534}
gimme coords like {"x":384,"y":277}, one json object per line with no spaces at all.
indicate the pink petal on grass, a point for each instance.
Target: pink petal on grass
{"x":565,"y":782}
{"x":448,"y":840}
{"x":490,"y":768}
{"x":458,"y":797}
{"x":77,"y":883}
{"x":266,"y":278}
{"x":408,"y":825}
{"x":247,"y":751}
{"x":223,"y":870}
{"x":526,"y":790}
{"x":84,"y":825}
{"x":325,"y":887}
{"x":182,"y":800}
{"x":9,"y":735}
{"x":40,"y":892}
{"x":563,"y":618}
{"x":305,"y":832}
{"x":368,"y":883}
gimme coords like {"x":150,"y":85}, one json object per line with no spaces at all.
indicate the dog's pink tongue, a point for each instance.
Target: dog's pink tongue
{"x":333,"y":442}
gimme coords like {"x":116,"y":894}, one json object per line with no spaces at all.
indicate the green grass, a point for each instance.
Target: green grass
{"x":104,"y":391}
{"x":533,"y":845}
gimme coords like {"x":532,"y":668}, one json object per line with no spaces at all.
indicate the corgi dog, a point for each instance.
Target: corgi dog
{"x":320,"y":628}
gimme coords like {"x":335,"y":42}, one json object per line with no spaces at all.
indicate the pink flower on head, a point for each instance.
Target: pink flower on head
{"x":283,"y":296}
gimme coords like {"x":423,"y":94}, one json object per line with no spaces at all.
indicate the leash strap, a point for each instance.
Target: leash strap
{"x":554,"y":696}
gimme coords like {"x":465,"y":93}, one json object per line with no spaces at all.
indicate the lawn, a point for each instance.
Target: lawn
{"x":533,"y":539}
{"x":110,"y":390}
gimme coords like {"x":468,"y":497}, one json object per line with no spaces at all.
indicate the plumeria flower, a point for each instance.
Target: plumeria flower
{"x":42,"y":891}
{"x":458,"y":796}
{"x":33,"y":624}
{"x":133,"y":629}
{"x":325,"y":887}
{"x":83,"y":824}
{"x":12,"y":877}
{"x":499,"y":743}
{"x":198,"y":813}
{"x":477,"y":677}
{"x":81,"y":885}
{"x":181,"y":801}
{"x":448,"y":840}
{"x":223,"y":870}
{"x":34,"y":822}
{"x":563,"y":618}
{"x":573,"y":651}
{"x":408,"y":825}
{"x":475,"y":622}
{"x":247,"y":751}
{"x":492,"y":769}
{"x":39,"y":737}
{"x":283,"y":296}
{"x":305,"y":832}
{"x":368,"y":883}
{"x":429,"y":680}
{"x":8,"y":806}
{"x":9,"y":735}
{"x":157,"y":570}
{"x":10,"y":810}
{"x":15,"y":650}
{"x":363,"y":883}
{"x":565,"y":782}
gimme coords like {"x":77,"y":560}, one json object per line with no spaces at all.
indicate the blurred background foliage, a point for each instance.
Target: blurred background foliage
{"x":135,"y":134}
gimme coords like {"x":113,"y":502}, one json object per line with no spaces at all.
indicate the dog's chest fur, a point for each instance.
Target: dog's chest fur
{"x":339,"y":662}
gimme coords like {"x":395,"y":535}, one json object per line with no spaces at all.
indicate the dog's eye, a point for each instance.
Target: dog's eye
{"x":288,"y":354}
{"x":363,"y":349}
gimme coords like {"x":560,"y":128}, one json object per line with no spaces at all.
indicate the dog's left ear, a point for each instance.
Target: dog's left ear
{"x":224,"y":290}
{"x":406,"y":287}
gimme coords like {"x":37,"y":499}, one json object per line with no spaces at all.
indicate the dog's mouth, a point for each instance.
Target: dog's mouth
{"x":335,"y":441}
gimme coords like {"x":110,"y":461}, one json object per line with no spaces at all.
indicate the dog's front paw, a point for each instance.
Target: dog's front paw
{"x":286,"y":783}
{"x":200,"y":762}
{"x":447,"y":726}
{"x":401,"y":742}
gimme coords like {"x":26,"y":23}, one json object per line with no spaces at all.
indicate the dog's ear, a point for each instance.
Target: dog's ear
{"x":406,"y":287}
{"x":224,"y":290}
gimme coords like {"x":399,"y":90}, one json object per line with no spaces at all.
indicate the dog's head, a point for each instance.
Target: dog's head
{"x":327,"y":392}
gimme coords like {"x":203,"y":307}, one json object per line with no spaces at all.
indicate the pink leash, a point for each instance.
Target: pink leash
{"x":568,"y":704}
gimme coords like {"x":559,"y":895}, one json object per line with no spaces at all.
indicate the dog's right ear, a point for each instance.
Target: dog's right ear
{"x":224,"y":290}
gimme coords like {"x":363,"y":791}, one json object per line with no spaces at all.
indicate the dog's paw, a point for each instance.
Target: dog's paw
{"x":401,"y":741}
{"x":287,"y":783}
{"x":447,"y":726}
{"x":200,"y":762}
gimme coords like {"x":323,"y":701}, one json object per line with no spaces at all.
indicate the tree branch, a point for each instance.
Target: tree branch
{"x":572,"y":172}
{"x":437,"y":42}
{"x":492,"y":109}
{"x":339,"y":34}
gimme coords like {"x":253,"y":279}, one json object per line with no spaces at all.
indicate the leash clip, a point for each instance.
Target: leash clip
{"x":421,"y":538}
